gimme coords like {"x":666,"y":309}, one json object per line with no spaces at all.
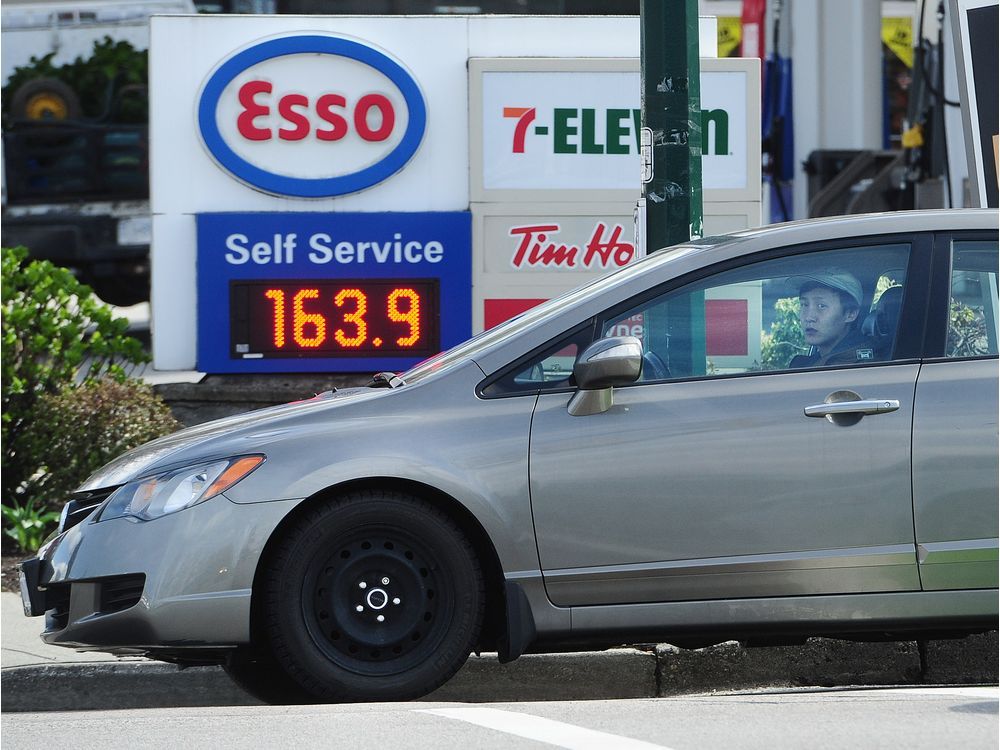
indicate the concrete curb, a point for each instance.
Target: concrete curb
{"x":619,"y":673}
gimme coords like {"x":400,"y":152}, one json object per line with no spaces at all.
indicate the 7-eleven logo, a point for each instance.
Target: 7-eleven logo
{"x":578,"y":131}
{"x":525,"y":116}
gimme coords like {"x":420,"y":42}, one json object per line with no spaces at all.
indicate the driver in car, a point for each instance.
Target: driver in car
{"x":829,"y":307}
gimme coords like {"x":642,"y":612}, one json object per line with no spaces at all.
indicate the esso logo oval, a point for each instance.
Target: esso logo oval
{"x":311,"y":116}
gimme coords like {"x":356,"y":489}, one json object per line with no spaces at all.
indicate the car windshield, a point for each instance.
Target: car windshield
{"x":513,"y":327}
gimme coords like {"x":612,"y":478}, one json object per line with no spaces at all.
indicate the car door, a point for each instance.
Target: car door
{"x":706,"y":479}
{"x":955,"y":464}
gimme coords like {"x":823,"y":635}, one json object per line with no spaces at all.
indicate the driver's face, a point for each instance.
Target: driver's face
{"x":823,"y":318}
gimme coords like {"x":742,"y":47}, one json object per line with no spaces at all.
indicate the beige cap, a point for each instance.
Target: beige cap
{"x":834,"y":278}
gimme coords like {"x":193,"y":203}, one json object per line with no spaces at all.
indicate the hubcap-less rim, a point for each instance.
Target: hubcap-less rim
{"x":376,"y":601}
{"x":47,"y":106}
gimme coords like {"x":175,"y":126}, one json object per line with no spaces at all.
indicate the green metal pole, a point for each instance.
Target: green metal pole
{"x":671,"y":110}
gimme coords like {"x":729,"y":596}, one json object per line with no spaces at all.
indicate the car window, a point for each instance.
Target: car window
{"x":512,"y":328}
{"x":830,"y":308}
{"x":973,"y":308}
{"x":548,"y":369}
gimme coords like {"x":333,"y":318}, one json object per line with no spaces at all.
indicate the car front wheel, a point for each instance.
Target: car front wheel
{"x":375,"y":596}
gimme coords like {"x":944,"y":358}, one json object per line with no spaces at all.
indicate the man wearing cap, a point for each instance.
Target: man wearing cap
{"x":829,"y":306}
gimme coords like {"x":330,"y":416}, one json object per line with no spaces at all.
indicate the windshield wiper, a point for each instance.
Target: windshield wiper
{"x":386,"y":380}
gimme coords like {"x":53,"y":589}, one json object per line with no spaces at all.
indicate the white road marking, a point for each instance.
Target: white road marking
{"x":962,"y":692}
{"x":542,"y":730}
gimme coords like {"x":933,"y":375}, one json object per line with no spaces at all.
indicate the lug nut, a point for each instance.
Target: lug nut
{"x":360,"y":608}
{"x":362,"y":585}
{"x":380,"y":618}
{"x":395,"y":600}
{"x":385,"y":581}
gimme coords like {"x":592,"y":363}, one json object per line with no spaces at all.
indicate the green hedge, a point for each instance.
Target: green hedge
{"x":68,"y":403}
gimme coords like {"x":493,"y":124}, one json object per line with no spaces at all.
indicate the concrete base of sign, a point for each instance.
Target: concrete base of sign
{"x":218,"y":396}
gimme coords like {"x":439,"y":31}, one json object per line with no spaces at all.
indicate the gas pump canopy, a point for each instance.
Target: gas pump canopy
{"x":356,"y":194}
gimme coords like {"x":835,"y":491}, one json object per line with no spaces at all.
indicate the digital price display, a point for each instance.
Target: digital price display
{"x":334,"y":318}
{"x":331,"y":292}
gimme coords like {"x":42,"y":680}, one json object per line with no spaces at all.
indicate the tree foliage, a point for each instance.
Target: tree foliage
{"x":967,"y":335}
{"x":784,"y":340}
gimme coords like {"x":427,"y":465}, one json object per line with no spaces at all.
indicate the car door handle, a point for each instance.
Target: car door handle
{"x":865,"y":406}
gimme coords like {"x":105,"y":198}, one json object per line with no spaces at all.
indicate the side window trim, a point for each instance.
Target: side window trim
{"x":939,"y":297}
{"x":914,"y":315}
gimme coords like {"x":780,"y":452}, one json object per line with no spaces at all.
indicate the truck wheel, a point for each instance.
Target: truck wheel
{"x":376,"y":596}
{"x":45,"y":99}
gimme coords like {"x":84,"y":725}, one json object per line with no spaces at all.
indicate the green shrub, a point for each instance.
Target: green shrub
{"x":55,"y":333}
{"x":28,"y":525}
{"x":79,"y":429}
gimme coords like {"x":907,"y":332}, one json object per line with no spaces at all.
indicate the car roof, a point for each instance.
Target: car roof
{"x":539,"y":325}
{"x":890,"y":222}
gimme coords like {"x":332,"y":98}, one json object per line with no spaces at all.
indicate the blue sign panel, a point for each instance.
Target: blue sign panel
{"x":331,"y":292}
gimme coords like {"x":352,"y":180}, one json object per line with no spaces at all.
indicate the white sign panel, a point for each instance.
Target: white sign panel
{"x":575,"y":125}
{"x":560,"y":130}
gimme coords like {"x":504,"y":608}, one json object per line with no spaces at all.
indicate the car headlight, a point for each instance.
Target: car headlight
{"x":171,"y":491}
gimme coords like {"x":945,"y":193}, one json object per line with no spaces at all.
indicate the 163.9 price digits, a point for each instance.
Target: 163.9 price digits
{"x":333,"y":318}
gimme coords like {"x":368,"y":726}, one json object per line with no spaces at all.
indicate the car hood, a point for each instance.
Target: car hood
{"x":158,"y":453}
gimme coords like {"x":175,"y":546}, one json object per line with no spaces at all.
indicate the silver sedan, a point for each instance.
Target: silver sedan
{"x":764,"y":436}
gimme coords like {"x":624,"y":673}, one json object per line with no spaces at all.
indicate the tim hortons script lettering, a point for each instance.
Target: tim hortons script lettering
{"x":535,"y":248}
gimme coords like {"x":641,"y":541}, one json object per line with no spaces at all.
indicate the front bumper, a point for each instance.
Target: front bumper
{"x":183,"y":581}
{"x":32,"y":597}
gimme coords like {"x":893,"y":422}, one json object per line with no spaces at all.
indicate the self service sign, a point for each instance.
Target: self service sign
{"x":297,"y":292}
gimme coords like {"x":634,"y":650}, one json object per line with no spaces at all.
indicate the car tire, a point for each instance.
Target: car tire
{"x":260,"y":676}
{"x":375,"y":596}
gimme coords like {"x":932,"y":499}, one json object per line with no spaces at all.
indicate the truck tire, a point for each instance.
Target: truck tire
{"x":45,"y":99}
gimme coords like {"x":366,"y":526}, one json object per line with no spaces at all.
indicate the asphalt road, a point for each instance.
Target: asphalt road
{"x":913,"y":718}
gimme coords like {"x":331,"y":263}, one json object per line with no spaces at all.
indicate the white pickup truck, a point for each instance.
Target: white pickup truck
{"x":75,"y":187}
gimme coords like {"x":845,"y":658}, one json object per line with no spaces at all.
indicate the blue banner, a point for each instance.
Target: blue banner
{"x":331,"y":292}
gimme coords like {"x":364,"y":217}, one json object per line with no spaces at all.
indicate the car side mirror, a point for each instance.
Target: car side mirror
{"x":607,"y":362}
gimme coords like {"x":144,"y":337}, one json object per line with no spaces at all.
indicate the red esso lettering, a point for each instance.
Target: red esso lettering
{"x":373,"y":116}
{"x":366,"y":104}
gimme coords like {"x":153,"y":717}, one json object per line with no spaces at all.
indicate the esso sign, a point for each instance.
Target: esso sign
{"x":311,"y":116}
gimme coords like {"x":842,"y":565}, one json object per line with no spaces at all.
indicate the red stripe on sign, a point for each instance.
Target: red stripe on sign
{"x":726,"y":327}
{"x":496,"y":311}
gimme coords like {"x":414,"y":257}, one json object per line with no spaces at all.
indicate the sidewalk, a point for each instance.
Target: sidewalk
{"x":37,"y":677}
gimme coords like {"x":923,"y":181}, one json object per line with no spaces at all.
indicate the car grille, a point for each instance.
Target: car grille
{"x":121,"y":592}
{"x":57,"y":599}
{"x":116,"y":594}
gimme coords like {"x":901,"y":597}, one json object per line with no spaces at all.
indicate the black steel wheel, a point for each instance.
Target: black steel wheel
{"x":374,"y":596}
